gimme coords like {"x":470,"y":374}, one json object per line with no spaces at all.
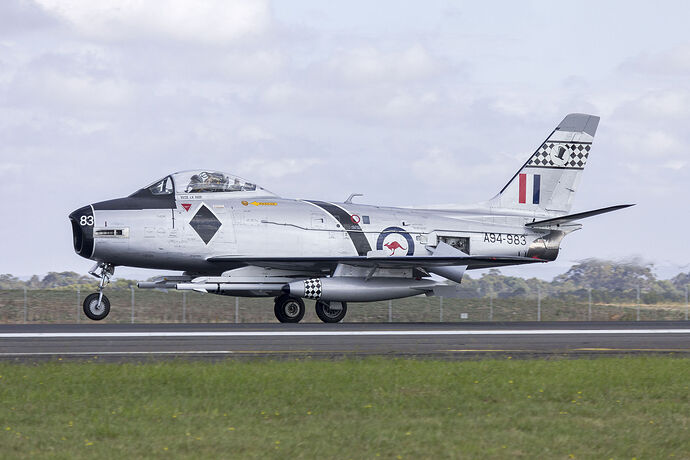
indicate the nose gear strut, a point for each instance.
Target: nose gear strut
{"x":97,"y":305}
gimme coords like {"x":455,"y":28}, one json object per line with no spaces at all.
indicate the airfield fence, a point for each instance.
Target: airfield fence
{"x":152,"y":306}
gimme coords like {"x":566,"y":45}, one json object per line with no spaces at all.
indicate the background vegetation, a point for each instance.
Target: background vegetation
{"x":57,"y":297}
{"x":609,"y":281}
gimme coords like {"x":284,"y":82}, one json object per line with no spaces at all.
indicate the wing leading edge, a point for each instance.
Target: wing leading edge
{"x":326,"y":263}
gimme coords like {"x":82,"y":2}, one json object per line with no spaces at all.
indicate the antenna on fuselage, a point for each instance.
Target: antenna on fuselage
{"x":352,"y":195}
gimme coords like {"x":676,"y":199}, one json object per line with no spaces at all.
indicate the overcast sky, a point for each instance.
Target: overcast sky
{"x":410,"y":103}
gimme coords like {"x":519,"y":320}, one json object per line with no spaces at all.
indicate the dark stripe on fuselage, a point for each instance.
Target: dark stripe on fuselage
{"x":136,"y":203}
{"x":355,"y":232}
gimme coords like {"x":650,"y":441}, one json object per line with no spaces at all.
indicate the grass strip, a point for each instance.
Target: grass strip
{"x":371,"y":408}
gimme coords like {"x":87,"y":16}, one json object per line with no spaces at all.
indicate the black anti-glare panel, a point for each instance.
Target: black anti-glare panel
{"x":205,"y":224}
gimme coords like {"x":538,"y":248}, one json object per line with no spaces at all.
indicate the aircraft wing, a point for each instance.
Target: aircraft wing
{"x":574,"y":217}
{"x":329,"y":263}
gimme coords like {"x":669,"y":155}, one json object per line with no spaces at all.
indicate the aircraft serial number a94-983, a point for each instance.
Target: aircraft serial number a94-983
{"x":231,"y":237}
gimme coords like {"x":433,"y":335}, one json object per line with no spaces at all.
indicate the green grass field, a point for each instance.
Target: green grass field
{"x":619,"y":408}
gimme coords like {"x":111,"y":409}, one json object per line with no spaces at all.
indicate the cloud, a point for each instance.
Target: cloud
{"x":369,"y":64}
{"x":423,"y":108}
{"x":54,"y":88}
{"x":651,"y":143}
{"x":406,"y":103}
{"x":215,"y":22}
{"x":675,"y":165}
{"x":253,"y":133}
{"x":668,"y":103}
{"x":443,"y":170}
{"x":281,"y":94}
{"x":10,"y":168}
{"x":270,"y":168}
{"x":673,"y":62}
{"x":20,"y":16}
{"x":259,"y":65}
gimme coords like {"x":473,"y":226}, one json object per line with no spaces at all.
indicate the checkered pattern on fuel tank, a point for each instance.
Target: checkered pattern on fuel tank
{"x":561,"y":154}
{"x":312,"y":288}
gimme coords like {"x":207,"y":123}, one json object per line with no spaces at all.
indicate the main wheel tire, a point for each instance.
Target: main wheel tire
{"x":289,"y":309}
{"x":95,"y":311}
{"x":278,"y":312}
{"x":328,"y":314}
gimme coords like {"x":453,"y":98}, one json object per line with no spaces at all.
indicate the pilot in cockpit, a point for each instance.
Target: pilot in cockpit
{"x":236,"y":186}
{"x":207,"y":182}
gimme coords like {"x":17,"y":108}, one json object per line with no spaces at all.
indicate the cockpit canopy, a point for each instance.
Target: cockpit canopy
{"x":204,"y":181}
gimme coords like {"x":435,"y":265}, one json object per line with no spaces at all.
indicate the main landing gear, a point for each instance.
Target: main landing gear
{"x":330,"y":312}
{"x":290,"y":309}
{"x":97,"y":305}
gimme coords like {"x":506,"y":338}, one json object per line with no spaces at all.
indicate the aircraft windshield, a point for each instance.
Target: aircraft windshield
{"x":210,"y":182}
{"x":162,"y":187}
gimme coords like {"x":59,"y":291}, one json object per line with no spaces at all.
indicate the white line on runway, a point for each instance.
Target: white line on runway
{"x":104,"y":353}
{"x":86,"y":335}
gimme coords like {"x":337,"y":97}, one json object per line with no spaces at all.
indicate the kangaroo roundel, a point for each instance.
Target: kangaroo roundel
{"x":396,"y":241}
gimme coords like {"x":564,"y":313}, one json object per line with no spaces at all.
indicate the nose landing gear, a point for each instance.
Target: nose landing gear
{"x":97,"y":305}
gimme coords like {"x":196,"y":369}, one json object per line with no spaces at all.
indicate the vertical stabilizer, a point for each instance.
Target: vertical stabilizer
{"x":549,"y":179}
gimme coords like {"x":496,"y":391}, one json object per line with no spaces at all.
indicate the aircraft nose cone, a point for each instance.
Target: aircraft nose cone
{"x":82,"y":221}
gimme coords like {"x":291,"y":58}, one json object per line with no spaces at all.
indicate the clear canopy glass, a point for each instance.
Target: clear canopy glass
{"x":205,"y":181}
{"x":162,"y":187}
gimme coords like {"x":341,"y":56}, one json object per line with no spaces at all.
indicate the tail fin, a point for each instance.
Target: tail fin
{"x":548,"y":180}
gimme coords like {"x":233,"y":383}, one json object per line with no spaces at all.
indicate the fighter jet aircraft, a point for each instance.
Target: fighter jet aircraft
{"x":232,"y":237}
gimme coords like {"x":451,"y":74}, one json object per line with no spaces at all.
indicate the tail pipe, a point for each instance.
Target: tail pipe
{"x":546,"y":247}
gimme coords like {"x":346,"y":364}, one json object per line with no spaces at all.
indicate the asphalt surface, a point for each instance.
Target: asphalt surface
{"x":32,"y":342}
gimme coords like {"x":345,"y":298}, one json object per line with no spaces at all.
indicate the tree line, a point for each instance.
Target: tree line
{"x":606,"y":280}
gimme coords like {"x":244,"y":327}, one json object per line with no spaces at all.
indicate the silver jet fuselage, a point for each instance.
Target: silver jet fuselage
{"x":187,"y":231}
{"x":232,"y":237}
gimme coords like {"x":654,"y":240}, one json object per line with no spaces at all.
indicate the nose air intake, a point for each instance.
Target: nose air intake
{"x":82,"y":221}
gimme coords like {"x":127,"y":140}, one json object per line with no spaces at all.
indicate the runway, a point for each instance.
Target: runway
{"x":448,"y":340}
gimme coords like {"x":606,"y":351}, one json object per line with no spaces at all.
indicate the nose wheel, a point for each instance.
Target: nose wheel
{"x":289,"y":309}
{"x":97,"y":305}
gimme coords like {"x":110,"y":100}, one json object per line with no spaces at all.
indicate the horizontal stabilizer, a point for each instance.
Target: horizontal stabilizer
{"x":574,"y":217}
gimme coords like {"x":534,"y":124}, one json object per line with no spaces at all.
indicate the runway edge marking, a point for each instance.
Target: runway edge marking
{"x":76,"y":335}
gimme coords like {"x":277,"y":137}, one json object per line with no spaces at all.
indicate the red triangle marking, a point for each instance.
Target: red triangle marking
{"x":186,"y":206}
